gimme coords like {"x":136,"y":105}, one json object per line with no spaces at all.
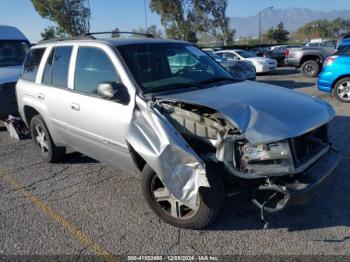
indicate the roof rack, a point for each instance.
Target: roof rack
{"x":81,"y":37}
{"x":90,"y":36}
{"x":117,"y":32}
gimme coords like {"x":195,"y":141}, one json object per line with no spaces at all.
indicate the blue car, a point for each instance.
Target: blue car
{"x":335,"y":76}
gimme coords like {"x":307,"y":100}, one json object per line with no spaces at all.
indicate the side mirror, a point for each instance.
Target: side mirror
{"x":110,"y":91}
{"x":236,"y":58}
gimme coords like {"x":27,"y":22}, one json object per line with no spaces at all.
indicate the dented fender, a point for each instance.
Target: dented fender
{"x":177,"y":165}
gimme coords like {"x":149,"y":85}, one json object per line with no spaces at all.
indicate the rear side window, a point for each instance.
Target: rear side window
{"x":31,"y":64}
{"x":93,"y":67}
{"x":48,"y":69}
{"x":60,"y":66}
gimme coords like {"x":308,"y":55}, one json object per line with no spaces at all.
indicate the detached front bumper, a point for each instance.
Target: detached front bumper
{"x":298,"y":189}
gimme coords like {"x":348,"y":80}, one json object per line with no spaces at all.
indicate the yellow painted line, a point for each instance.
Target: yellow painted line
{"x":73,"y":230}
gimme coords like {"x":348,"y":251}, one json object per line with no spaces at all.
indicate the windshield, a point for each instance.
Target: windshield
{"x":168,"y":66}
{"x":12,"y":52}
{"x":245,"y":54}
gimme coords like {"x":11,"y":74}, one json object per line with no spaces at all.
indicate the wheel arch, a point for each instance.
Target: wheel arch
{"x":338,"y":79}
{"x":316,"y":58}
{"x":29,"y":113}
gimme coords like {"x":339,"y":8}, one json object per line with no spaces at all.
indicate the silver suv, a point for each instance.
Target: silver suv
{"x":193,"y":132}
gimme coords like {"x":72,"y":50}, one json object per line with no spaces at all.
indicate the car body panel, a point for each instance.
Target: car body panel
{"x":332,"y":72}
{"x":159,"y":144}
{"x":250,"y":113}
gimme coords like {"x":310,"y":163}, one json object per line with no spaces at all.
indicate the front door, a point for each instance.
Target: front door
{"x":98,"y":126}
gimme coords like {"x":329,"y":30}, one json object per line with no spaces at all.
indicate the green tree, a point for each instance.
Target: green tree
{"x":179,"y":18}
{"x":280,"y":35}
{"x":71,"y":16}
{"x":115,"y":33}
{"x":216,"y":22}
{"x":49,"y":32}
{"x":153,"y":30}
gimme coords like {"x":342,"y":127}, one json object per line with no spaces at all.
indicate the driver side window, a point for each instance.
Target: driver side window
{"x":93,"y":67}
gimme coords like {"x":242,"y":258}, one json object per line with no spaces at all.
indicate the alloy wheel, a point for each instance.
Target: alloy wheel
{"x":343,"y":90}
{"x":168,"y":203}
{"x":41,"y":139}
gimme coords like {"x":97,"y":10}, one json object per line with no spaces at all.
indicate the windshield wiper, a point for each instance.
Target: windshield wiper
{"x":216,"y":79}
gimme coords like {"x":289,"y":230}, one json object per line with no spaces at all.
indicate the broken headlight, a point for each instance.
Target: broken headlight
{"x":272,"y":151}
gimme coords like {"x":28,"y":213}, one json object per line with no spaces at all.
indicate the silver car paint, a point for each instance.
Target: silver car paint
{"x":178,"y":166}
{"x":102,"y":129}
{"x":263,"y":113}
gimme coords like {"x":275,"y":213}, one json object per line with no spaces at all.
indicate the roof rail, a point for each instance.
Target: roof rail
{"x":117,"y":32}
{"x":81,"y":37}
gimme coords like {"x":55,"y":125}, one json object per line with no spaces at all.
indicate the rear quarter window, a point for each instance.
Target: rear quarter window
{"x":31,"y":64}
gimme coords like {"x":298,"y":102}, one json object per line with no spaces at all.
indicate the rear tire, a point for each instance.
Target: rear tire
{"x":310,"y":68}
{"x":209,"y":201}
{"x":341,"y":90}
{"x":42,"y":138}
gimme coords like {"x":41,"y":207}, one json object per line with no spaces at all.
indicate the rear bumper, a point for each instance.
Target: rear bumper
{"x":301,"y":188}
{"x":8,"y":105}
{"x":325,"y":81}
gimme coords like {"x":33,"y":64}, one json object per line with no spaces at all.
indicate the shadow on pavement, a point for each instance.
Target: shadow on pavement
{"x":77,"y":158}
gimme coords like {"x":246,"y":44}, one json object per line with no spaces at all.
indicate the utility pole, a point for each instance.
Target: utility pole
{"x":268,"y":8}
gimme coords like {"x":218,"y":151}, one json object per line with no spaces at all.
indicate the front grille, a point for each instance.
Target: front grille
{"x":308,"y":145}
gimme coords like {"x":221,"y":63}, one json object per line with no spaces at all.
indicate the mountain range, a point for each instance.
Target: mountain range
{"x":292,"y":18}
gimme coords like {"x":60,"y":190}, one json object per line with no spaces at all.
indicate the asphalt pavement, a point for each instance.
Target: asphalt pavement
{"x":80,"y":206}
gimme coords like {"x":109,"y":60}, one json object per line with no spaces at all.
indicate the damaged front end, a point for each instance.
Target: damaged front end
{"x":178,"y":139}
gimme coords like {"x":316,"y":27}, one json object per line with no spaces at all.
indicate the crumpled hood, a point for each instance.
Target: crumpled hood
{"x":9,"y":74}
{"x":264,"y":113}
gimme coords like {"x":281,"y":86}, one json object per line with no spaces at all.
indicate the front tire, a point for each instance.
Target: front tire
{"x":170,"y":210}
{"x":42,"y":138}
{"x":310,"y":68}
{"x":341,"y":90}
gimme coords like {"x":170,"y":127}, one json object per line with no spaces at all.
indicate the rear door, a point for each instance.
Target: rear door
{"x":98,"y":127}
{"x":55,"y":92}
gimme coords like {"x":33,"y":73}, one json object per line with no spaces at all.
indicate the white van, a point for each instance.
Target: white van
{"x":13,"y":48}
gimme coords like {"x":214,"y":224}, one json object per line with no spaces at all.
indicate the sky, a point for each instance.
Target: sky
{"x":130,"y":14}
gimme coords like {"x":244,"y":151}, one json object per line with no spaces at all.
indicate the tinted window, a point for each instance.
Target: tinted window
{"x":12,"y":52}
{"x":31,"y":64}
{"x":60,"y":66}
{"x":93,"y":67}
{"x":344,"y":51}
{"x":48,"y":69}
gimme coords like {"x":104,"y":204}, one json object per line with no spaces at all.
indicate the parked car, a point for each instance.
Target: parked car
{"x":262,"y":65}
{"x":191,"y":131}
{"x":309,"y":59}
{"x":278,"y":53}
{"x":260,"y":51}
{"x":335,"y":76}
{"x":240,"y":70}
{"x":13,"y":48}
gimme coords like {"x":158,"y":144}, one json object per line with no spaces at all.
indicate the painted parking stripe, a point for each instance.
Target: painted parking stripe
{"x":57,"y":217}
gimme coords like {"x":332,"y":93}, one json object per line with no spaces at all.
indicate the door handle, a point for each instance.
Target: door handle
{"x":41,"y":96}
{"x":75,"y":106}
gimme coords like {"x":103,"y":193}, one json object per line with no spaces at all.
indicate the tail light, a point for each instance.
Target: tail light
{"x":286,"y":53}
{"x":330,"y":60}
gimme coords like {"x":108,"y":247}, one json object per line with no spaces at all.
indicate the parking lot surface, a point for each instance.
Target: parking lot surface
{"x":80,"y":206}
